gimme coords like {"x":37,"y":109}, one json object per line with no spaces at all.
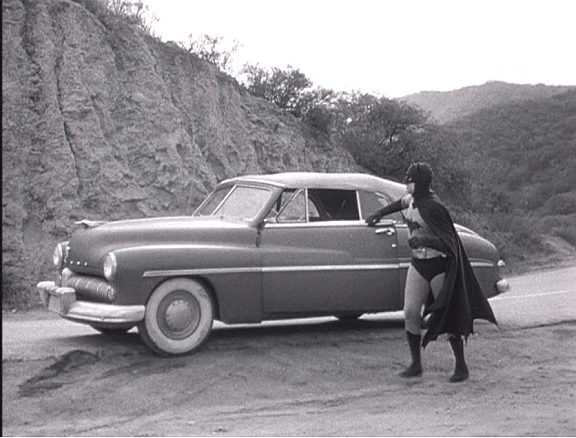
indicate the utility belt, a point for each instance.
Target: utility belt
{"x":424,"y":253}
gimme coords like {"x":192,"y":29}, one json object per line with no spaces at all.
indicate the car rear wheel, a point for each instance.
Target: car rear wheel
{"x":179,"y":317}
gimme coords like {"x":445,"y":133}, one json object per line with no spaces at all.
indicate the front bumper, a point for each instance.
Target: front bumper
{"x":62,"y":300}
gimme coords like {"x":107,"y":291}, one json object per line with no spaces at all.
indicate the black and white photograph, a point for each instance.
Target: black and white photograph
{"x":227,"y":218}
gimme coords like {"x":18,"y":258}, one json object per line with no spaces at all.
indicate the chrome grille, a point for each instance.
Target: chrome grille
{"x":89,"y":288}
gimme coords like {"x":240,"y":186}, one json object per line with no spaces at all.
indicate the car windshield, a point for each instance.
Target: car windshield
{"x":240,"y":202}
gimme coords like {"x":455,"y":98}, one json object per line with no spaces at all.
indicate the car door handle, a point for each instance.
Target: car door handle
{"x":387,"y":231}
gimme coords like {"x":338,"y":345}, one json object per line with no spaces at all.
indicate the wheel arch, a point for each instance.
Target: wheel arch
{"x":200,"y":279}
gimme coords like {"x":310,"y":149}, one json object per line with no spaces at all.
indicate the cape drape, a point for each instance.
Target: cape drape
{"x":461,"y":299}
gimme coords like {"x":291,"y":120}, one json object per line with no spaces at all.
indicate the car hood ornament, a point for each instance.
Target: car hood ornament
{"x":89,"y":224}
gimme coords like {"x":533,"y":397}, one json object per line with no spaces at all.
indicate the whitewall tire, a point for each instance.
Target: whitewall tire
{"x":179,"y":317}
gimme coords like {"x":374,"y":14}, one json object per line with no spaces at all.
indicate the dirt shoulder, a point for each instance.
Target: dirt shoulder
{"x":325,"y":379}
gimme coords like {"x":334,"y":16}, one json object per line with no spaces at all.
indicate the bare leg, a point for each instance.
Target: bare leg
{"x":417,"y":289}
{"x":415,"y":294}
{"x":436,"y":284}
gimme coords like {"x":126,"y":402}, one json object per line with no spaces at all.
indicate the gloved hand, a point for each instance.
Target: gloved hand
{"x":416,"y":242}
{"x":390,"y":208}
{"x":373,"y":219}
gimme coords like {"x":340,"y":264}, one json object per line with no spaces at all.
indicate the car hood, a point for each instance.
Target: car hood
{"x":90,"y":243}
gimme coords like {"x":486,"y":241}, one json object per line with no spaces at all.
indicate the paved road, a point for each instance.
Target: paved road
{"x":536,"y":298}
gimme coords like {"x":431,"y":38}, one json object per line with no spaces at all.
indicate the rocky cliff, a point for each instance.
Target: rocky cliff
{"x":102,"y":121}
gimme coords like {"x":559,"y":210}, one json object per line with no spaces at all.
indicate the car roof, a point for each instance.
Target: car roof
{"x":317,"y":180}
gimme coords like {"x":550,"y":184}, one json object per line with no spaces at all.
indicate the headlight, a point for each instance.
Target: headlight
{"x":58,"y":256}
{"x":109,"y":266}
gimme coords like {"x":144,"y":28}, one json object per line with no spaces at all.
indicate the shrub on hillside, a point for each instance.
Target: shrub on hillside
{"x":562,"y":204}
{"x":132,"y":12}
{"x":562,"y":226}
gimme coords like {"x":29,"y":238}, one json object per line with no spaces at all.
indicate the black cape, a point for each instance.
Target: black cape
{"x":461,"y":299}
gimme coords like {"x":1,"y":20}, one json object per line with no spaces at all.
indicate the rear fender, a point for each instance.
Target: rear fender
{"x":484,"y":258}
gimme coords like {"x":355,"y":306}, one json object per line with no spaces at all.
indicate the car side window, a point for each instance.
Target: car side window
{"x":279,"y":205}
{"x":334,"y":205}
{"x":371,"y":202}
{"x":323,"y":205}
{"x":292,"y":207}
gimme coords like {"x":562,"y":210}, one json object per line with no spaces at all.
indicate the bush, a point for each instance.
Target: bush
{"x":16,"y":297}
{"x":133,"y":12}
{"x":562,"y":226}
{"x":561,"y":204}
{"x":320,"y":118}
{"x":517,"y":236}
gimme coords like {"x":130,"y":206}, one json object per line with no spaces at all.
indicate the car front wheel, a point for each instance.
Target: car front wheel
{"x":179,"y":317}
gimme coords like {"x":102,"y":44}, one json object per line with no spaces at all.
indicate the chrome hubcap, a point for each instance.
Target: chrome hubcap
{"x":178,"y":315}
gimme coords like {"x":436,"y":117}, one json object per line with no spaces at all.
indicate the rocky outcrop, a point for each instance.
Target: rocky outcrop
{"x":101,"y":121}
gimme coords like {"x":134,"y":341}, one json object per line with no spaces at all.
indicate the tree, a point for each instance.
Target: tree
{"x":384,"y":136}
{"x":290,"y":89}
{"x":283,"y":87}
{"x":317,"y":108}
{"x":379,"y":132}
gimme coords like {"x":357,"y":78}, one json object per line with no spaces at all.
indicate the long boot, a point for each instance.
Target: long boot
{"x":415,"y":368}
{"x":461,"y":370}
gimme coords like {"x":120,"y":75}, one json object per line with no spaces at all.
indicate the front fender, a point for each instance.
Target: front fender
{"x":233,"y":273}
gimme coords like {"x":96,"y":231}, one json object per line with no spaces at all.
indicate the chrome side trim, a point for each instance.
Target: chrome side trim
{"x":329,"y":268}
{"x":477,"y":264}
{"x":318,"y":224}
{"x":482,"y":264}
{"x":275,"y":269}
{"x":208,"y":271}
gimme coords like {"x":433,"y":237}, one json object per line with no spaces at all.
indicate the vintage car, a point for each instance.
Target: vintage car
{"x":260,"y":247}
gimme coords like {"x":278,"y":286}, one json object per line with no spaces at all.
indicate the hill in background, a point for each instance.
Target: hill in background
{"x":521,"y":158}
{"x":447,"y":106}
{"x":526,"y":150}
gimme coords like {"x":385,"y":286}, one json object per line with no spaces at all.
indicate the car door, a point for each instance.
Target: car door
{"x":319,"y":257}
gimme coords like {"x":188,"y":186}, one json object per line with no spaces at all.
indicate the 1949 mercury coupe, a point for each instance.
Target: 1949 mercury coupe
{"x":260,"y":247}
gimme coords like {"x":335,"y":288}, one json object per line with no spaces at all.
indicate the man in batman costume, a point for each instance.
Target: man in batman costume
{"x":439,"y":265}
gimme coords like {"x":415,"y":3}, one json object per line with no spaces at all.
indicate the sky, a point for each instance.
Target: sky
{"x":388,"y":48}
